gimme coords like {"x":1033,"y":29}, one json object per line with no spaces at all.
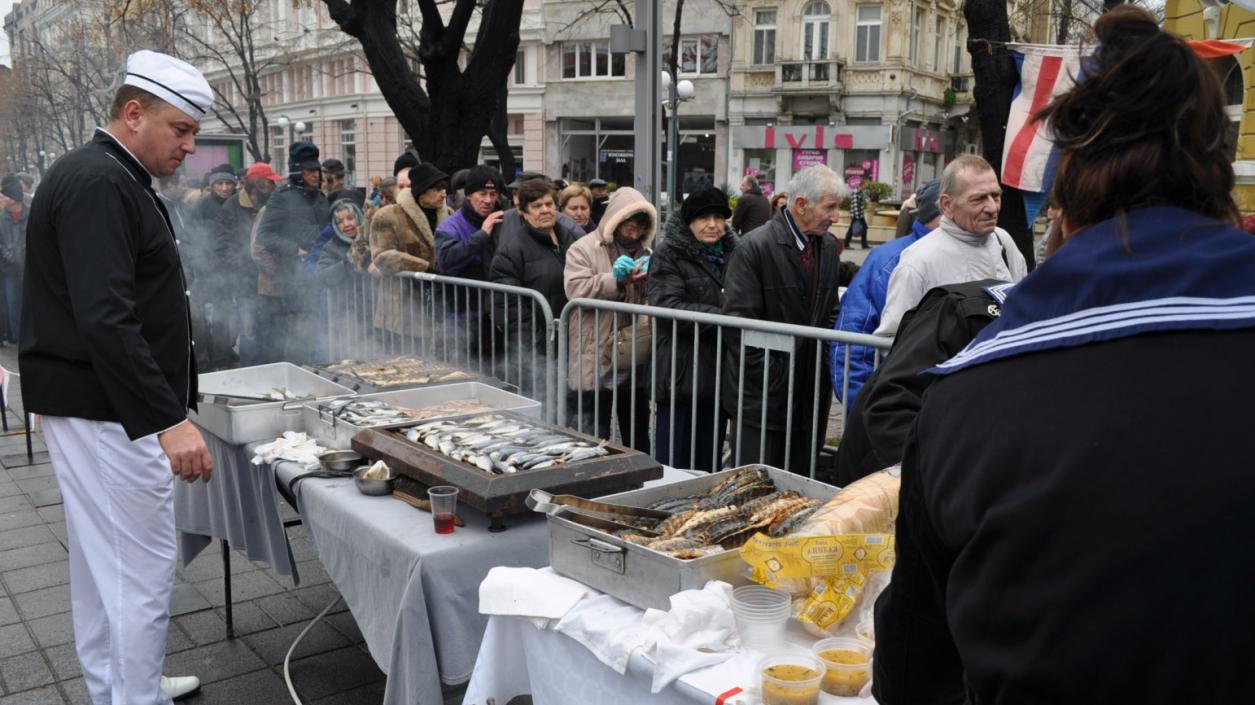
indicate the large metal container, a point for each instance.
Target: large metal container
{"x":645,"y":577}
{"x":332,"y":432}
{"x":241,"y":421}
{"x":502,"y":495}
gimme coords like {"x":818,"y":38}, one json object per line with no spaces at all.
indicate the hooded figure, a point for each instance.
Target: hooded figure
{"x":612,"y":263}
{"x":340,"y":271}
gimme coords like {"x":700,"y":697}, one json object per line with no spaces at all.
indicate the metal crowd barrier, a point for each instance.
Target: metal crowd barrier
{"x":493,"y":330}
{"x":775,"y":342}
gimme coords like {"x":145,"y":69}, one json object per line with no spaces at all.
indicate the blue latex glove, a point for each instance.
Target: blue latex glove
{"x":644,"y":262}
{"x":623,"y":267}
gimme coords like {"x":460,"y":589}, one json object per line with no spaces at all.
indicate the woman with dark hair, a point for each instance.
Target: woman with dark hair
{"x":1095,"y":563}
{"x":687,"y":274}
{"x":531,"y":253}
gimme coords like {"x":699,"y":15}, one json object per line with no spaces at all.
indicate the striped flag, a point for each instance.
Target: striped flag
{"x":1028,"y":153}
{"x":1216,"y":48}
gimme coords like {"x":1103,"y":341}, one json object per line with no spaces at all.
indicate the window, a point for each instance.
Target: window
{"x":278,"y":148}
{"x":938,"y":36}
{"x":815,"y":28}
{"x":867,"y":41}
{"x":699,"y":56}
{"x":590,"y":60}
{"x":958,"y":49}
{"x":917,"y":30}
{"x":348,"y":150}
{"x":764,"y":37}
{"x":520,"y":68}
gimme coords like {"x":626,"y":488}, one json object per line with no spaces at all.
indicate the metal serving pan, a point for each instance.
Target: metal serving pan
{"x":337,"y":433}
{"x":641,"y":576}
{"x":241,"y":421}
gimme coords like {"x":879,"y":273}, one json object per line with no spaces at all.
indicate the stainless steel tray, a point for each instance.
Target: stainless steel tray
{"x":338,"y":433}
{"x":642,"y":576}
{"x":238,"y":421}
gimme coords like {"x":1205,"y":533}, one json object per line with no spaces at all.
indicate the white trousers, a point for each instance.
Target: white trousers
{"x":118,"y":496}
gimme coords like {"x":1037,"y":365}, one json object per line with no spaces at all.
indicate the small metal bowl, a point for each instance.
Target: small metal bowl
{"x":340,"y":460}
{"x":375,"y":488}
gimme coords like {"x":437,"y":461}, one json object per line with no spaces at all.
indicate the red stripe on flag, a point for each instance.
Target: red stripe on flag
{"x":724,"y":698}
{"x":1046,"y":78}
{"x":1216,"y":48}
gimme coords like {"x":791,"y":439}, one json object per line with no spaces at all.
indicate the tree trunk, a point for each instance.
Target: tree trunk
{"x":498,"y":133}
{"x":447,"y":123}
{"x":995,"y":78}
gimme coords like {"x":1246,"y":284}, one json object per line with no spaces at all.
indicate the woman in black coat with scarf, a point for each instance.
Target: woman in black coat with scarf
{"x":686,"y":272}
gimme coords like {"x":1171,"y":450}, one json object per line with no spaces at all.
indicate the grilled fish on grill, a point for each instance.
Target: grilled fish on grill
{"x":503,"y":445}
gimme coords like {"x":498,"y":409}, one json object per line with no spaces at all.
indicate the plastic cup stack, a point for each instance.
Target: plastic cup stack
{"x":761,"y":614}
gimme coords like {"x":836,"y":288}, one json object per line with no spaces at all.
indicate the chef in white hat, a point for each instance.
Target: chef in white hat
{"x":106,"y":358}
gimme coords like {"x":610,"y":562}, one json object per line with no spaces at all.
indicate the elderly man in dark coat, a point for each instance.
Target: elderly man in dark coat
{"x":787,"y":271}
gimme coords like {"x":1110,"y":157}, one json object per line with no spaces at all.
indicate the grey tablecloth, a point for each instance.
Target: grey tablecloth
{"x":414,"y":594}
{"x":240,"y":504}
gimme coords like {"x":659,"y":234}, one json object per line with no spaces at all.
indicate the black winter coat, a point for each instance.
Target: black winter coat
{"x":681,"y":278}
{"x":529,"y":259}
{"x":945,"y":321}
{"x":765,"y":281}
{"x":294,"y":216}
{"x":753,"y":210}
{"x":106,"y":329}
{"x":233,"y":242}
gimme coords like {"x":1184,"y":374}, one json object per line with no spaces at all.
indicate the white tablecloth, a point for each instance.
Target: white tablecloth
{"x":516,"y":658}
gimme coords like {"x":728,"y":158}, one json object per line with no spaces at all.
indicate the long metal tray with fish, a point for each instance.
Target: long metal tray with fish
{"x":405,"y":372}
{"x":643,"y":576}
{"x":572,"y":463}
{"x":231,"y":403}
{"x":336,"y":430}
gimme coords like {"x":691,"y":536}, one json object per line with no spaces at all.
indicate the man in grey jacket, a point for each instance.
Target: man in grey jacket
{"x":12,"y":251}
{"x":967,"y":246}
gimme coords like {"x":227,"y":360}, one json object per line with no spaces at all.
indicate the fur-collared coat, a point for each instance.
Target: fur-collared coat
{"x":402,"y":240}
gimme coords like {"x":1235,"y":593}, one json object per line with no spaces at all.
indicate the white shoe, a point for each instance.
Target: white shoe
{"x":179,"y":686}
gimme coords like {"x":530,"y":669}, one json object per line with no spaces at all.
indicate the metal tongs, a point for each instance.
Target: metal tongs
{"x":567,"y":506}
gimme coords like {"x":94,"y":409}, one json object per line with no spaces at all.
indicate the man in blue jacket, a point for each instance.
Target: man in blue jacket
{"x":865,"y":299}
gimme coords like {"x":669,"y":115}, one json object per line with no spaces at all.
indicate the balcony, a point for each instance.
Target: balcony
{"x":808,"y":76}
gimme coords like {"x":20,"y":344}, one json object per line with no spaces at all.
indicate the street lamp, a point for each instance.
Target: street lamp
{"x":42,"y":155}
{"x":676,"y":93}
{"x":294,"y":128}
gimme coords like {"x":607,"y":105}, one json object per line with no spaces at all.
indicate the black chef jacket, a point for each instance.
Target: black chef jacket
{"x":105,"y":320}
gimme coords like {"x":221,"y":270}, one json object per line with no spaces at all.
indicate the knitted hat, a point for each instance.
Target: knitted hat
{"x":425,"y":176}
{"x":407,"y":160}
{"x":704,"y":200}
{"x":222,"y":172}
{"x":482,"y":178}
{"x":927,"y":206}
{"x":11,"y":187}
{"x":335,"y":167}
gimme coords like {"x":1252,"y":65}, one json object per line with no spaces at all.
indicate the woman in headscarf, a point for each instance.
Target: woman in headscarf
{"x":1099,"y":561}
{"x":686,"y":273}
{"x":342,"y":263}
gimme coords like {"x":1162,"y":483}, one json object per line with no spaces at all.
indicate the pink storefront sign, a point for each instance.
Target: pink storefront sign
{"x":803,"y":158}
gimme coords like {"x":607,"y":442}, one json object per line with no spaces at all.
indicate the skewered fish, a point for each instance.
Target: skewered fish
{"x":501,"y":445}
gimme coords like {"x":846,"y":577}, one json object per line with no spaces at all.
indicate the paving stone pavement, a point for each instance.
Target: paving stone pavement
{"x":38,"y":665}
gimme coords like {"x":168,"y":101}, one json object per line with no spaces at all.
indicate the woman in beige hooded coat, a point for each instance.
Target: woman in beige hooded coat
{"x":612,"y":263}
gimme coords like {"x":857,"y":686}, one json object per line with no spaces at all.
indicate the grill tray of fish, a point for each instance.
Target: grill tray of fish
{"x":334,"y":422}
{"x":648,"y":560}
{"x":406,"y":371}
{"x":497,"y":459}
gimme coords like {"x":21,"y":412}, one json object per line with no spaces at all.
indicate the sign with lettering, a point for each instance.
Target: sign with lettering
{"x":803,"y":158}
{"x":616,"y":156}
{"x":916,"y":139}
{"x":813,"y":137}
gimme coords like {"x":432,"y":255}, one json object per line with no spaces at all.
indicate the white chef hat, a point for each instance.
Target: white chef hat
{"x":172,"y":80}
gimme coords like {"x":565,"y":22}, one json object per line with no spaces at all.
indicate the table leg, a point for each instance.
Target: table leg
{"x":226,"y":587}
{"x":496,"y":526}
